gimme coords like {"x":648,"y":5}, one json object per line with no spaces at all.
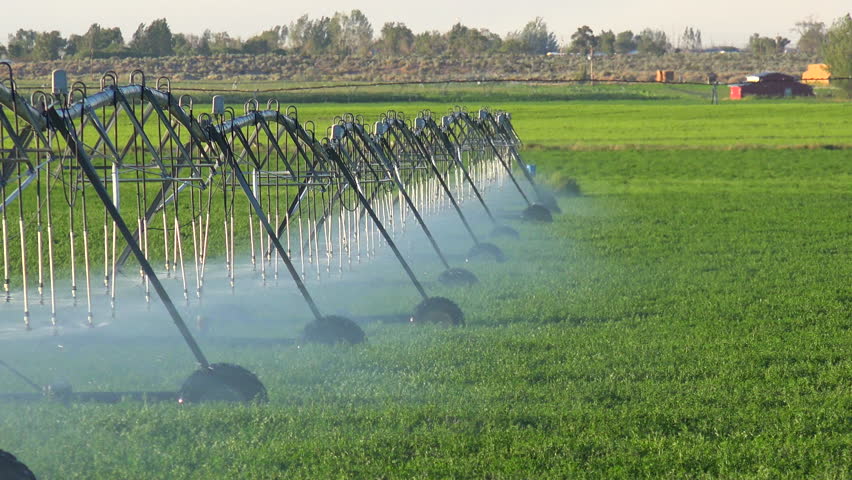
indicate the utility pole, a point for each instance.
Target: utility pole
{"x":591,"y":58}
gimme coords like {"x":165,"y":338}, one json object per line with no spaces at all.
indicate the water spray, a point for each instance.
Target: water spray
{"x":430,"y":129}
{"x":430,"y":309}
{"x":387,"y":159}
{"x":400,"y":131}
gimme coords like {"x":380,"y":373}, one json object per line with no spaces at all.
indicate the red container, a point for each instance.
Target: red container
{"x":736,"y":92}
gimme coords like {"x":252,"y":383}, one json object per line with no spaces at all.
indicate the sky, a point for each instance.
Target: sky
{"x":722,"y":22}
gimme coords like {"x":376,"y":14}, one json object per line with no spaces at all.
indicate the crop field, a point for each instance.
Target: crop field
{"x":687,"y":316}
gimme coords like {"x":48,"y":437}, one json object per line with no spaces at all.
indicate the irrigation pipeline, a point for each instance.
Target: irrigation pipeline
{"x":174,"y":188}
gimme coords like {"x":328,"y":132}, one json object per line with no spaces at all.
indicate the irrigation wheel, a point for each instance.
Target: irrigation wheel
{"x":438,"y":310}
{"x":457,"y":277}
{"x":333,"y":329}
{"x":504,"y":231}
{"x":486,"y":250}
{"x":12,"y":469}
{"x":222,"y":382}
{"x":537,"y":213}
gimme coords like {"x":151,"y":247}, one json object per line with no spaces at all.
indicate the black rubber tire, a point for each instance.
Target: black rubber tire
{"x":457,"y":277}
{"x":333,"y":329}
{"x":438,"y":310}
{"x":12,"y":469}
{"x":484,"y":250}
{"x":504,"y":231}
{"x":222,"y":382}
{"x":537,"y":213}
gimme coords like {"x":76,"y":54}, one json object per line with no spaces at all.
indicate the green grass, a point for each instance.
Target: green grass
{"x":688,"y":317}
{"x":728,"y":125}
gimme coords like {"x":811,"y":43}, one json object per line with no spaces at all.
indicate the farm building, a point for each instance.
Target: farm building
{"x":770,"y":84}
{"x":816,"y":74}
{"x":665,"y":76}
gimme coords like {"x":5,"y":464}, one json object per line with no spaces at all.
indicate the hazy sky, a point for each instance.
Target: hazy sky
{"x":720,"y":21}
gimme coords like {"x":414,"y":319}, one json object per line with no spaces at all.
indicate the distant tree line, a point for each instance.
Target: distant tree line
{"x":342,"y":34}
{"x":351,"y":34}
{"x":648,"y":42}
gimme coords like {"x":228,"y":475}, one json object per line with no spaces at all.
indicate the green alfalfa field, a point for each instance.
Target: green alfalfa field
{"x":687,"y":316}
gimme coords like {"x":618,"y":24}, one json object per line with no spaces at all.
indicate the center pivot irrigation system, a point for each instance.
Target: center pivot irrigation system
{"x":133,"y":173}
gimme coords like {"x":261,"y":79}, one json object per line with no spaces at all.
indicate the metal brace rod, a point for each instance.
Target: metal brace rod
{"x":372,"y":213}
{"x":219,"y":138}
{"x":85,"y":163}
{"x":508,"y":171}
{"x":445,"y":140}
{"x":395,"y":175}
{"x":428,"y":155}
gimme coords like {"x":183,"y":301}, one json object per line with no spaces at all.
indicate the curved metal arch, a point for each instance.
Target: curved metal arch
{"x":11,"y":100}
{"x":400,"y":131}
{"x":309,"y":148}
{"x":377,"y":147}
{"x":254,"y":118}
{"x":432,"y":134}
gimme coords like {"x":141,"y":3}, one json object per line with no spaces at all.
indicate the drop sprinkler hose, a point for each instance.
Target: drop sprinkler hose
{"x":512,"y":150}
{"x":506,"y":166}
{"x":361,"y":198}
{"x":448,"y":146}
{"x":431,"y":160}
{"x":326,"y":212}
{"x":229,"y":156}
{"x":467,"y":175}
{"x":303,"y":188}
{"x":89,"y":170}
{"x":395,"y":176}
